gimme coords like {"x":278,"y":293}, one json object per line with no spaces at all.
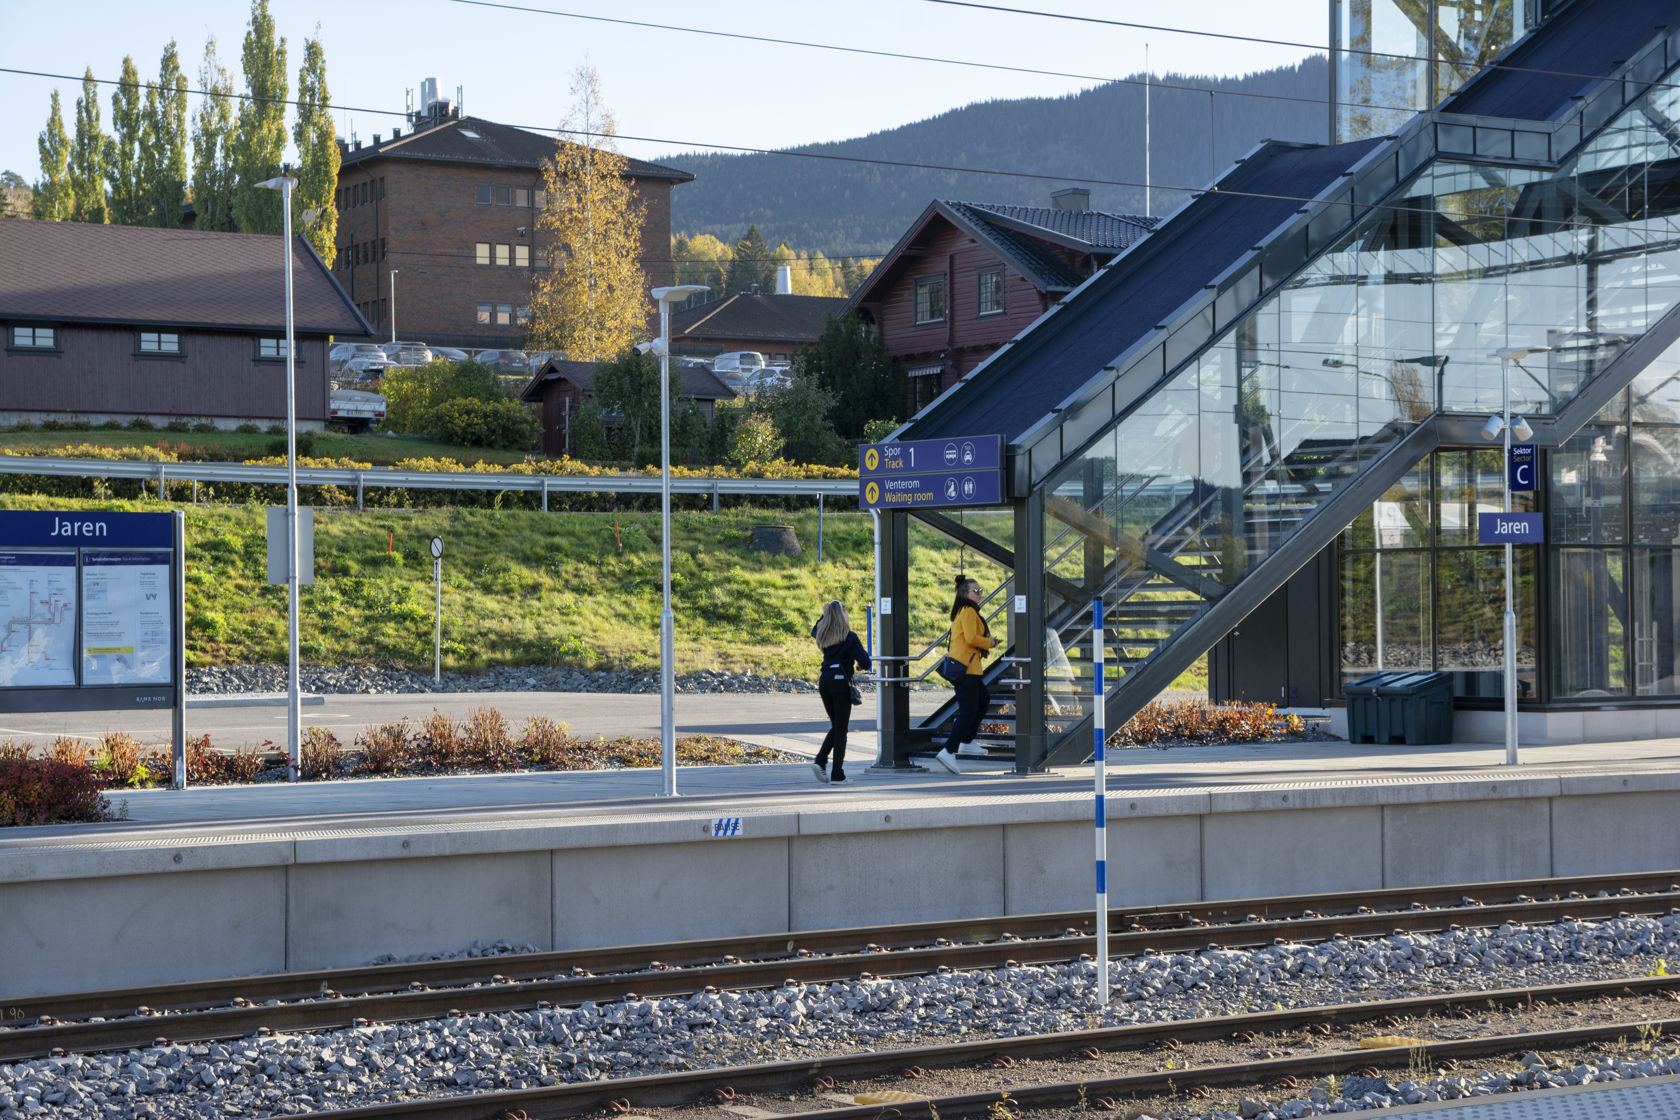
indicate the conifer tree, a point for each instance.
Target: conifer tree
{"x":87,"y":156}
{"x":124,"y":153}
{"x":212,"y":143}
{"x":54,"y":197}
{"x":751,"y":264}
{"x":163,"y":159}
{"x":259,"y":143}
{"x":593,"y":301}
{"x":317,"y":149}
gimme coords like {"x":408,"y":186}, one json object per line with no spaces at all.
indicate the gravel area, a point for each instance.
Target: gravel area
{"x":287,"y":1075}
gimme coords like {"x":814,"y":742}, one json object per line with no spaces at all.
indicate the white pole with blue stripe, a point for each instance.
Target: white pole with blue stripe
{"x":1098,"y":714}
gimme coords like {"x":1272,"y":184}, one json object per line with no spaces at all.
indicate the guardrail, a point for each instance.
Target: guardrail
{"x":392,"y":478}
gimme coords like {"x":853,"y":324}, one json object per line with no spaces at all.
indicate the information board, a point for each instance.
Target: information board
{"x":931,"y":473}
{"x":37,"y":619}
{"x":126,"y":618}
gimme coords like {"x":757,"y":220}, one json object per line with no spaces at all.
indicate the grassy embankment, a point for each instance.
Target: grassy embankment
{"x":379,"y":450}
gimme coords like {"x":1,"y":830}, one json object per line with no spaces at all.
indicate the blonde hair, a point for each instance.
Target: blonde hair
{"x":833,"y":626}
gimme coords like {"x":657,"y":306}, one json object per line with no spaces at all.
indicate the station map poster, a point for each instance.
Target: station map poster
{"x":127,"y":619}
{"x":37,"y":619}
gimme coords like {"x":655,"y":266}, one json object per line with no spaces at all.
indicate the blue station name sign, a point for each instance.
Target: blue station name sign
{"x":1511,"y":528}
{"x":78,"y":529}
{"x":931,"y":473}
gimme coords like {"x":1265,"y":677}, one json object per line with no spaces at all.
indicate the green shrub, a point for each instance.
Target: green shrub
{"x":178,"y":425}
{"x":141,"y":424}
{"x":25,"y":426}
{"x":112,"y":425}
{"x":46,"y":791}
{"x":204,"y":426}
{"x":505,"y":425}
{"x":248,"y":428}
{"x":67,"y":425}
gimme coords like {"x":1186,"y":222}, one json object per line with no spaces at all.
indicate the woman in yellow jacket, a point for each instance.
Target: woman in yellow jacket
{"x":970,"y":640}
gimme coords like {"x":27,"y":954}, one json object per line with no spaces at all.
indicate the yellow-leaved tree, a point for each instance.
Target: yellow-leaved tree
{"x":593,"y":300}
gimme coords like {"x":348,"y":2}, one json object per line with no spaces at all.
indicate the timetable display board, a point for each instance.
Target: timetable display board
{"x":90,"y":610}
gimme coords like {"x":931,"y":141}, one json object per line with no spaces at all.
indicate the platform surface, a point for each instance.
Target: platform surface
{"x":791,"y":722}
{"x":1646,"y":1099}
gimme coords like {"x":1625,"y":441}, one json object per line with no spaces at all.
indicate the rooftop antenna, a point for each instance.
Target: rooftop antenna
{"x":1147,"y":212}
{"x":408,"y":99}
{"x":460,"y":107}
{"x":352,"y":132}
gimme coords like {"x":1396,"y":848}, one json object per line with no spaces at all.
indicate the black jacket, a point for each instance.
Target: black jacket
{"x":839,"y":659}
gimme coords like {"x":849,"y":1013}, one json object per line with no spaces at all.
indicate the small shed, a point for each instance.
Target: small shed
{"x":561,"y":387}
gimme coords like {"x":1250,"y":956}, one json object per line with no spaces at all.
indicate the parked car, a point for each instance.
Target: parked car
{"x":449,"y":354}
{"x":770,"y":377}
{"x":508,"y":362}
{"x":738,"y":361}
{"x":407,"y":354}
{"x":354,"y":410}
{"x":362,"y":360}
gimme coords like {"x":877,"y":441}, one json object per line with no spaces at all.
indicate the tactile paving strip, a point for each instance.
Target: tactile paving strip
{"x":1627,"y":1100}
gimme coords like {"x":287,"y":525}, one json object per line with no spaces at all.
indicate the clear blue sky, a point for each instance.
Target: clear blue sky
{"x":688,"y":90}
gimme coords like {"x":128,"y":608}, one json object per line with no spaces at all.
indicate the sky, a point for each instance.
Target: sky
{"x":684,"y":91}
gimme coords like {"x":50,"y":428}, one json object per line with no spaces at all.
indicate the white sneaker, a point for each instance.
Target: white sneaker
{"x":972,"y":750}
{"x":822,"y":775}
{"x":948,"y":760}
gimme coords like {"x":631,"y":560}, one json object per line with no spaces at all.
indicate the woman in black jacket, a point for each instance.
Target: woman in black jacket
{"x":841,"y":652}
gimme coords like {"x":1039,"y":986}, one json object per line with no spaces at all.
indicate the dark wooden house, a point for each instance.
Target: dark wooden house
{"x":118,"y":322}
{"x":969,"y":276}
{"x":776,"y":325}
{"x":561,"y":387}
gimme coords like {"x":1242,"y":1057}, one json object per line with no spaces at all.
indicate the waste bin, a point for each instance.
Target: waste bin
{"x":1419,"y":707}
{"x":1410,"y":707}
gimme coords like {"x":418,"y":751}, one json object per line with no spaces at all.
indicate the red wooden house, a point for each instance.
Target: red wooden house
{"x":970,"y":276}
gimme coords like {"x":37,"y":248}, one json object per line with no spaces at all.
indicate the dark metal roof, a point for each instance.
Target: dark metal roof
{"x":698,"y":382}
{"x":772,"y":318}
{"x":81,"y":272}
{"x":1561,"y":58}
{"x":471,"y":140}
{"x":1022,"y":383}
{"x":1089,"y":229}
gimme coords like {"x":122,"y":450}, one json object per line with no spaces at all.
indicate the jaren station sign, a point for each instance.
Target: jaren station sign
{"x":931,"y":473}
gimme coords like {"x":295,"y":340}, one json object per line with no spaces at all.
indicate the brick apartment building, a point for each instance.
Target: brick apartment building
{"x":451,"y":207}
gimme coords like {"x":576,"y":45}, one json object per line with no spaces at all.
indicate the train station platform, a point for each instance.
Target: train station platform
{"x":222,"y":881}
{"x":1625,"y":1100}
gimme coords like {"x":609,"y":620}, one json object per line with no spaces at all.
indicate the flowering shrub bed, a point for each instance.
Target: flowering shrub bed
{"x":47,"y":790}
{"x":1201,"y":722}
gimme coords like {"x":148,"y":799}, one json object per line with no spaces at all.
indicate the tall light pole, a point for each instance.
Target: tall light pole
{"x":667,"y":625}
{"x":394,"y":272}
{"x":1504,"y":426}
{"x":294,"y":718}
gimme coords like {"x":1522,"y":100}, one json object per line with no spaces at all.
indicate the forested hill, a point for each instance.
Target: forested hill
{"x":854,"y":208}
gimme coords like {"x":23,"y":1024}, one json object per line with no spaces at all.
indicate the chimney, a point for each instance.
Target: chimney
{"x":755,"y":289}
{"x":357,"y":146}
{"x":1076,"y":199}
{"x":376,"y":139}
{"x":395,"y":132}
{"x":784,"y":280}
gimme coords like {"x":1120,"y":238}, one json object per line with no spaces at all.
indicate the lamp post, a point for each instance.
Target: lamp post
{"x":1503,"y":426}
{"x":667,"y":637}
{"x":394,"y":272}
{"x":294,"y":742}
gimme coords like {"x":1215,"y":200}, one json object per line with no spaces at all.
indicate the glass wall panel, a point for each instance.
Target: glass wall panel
{"x":1589,"y":612}
{"x":1656,"y":622}
{"x":1471,"y":483}
{"x":1589,"y":486}
{"x":1470,"y":615}
{"x":1388,"y":603}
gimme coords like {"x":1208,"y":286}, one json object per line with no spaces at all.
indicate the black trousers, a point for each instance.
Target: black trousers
{"x":972,"y":702}
{"x":837,"y":702}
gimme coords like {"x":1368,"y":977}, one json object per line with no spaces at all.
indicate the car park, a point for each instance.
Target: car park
{"x":738,"y":361}
{"x":407,"y":354}
{"x":770,"y":377}
{"x":362,"y":361}
{"x":450,"y":354}
{"x":507,"y":362}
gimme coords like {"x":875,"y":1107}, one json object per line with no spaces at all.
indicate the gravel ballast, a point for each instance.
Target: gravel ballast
{"x":286,"y":1075}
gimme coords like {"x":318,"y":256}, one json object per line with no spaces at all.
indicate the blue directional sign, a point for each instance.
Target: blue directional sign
{"x":931,"y":473}
{"x":1522,"y":467}
{"x":1511,"y":528}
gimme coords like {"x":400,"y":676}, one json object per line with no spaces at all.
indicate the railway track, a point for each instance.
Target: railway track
{"x":193,"y":1012}
{"x":789,"y":1089}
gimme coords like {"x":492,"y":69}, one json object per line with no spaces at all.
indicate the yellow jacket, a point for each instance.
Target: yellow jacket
{"x":969,"y":640}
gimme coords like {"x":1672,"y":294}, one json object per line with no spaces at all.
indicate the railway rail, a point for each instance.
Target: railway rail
{"x":812,"y":1076}
{"x":37,"y":1026}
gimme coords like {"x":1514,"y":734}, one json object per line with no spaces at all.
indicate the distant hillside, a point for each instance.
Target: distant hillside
{"x":842,"y":208}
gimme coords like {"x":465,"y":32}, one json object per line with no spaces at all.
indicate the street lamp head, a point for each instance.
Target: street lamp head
{"x":1518,"y":353}
{"x":676,"y":293}
{"x":1495,"y":424}
{"x":279,"y":183}
{"x":1521,"y":431}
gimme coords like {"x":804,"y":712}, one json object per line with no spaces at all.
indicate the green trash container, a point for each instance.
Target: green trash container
{"x":1365,"y":722}
{"x":1415,"y":708}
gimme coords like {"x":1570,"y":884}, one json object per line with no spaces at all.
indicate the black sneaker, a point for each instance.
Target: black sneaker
{"x":838,"y":778}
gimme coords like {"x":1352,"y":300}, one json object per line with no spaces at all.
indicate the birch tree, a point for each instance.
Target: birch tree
{"x":592,"y":302}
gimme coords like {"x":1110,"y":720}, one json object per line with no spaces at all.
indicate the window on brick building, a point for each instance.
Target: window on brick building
{"x":481,"y":252}
{"x":541,"y":198}
{"x":522,"y":315}
{"x":501,"y":194}
{"x":503,"y":254}
{"x":382,"y":188}
{"x":381,"y":248}
{"x":485,"y":310}
{"x":504,"y":314}
{"x":522,"y":256}
{"x":483,"y":192}
{"x":521,"y":196}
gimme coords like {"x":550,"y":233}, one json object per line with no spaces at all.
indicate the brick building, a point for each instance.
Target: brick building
{"x":451,"y":207}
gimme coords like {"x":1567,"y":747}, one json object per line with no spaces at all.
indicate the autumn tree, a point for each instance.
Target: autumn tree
{"x":163,"y":159}
{"x":260,"y":131}
{"x":701,"y":259}
{"x":123,"y":153}
{"x":55,"y":197}
{"x":317,"y":149}
{"x":592,"y":302}
{"x":212,"y":143}
{"x":87,"y":156}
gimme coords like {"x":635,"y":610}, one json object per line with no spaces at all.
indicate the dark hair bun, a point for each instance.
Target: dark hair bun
{"x":959,"y":581}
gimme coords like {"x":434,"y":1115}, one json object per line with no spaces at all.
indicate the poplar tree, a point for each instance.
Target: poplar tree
{"x":87,"y":156}
{"x":593,"y":301}
{"x":317,"y":149}
{"x":163,"y":159}
{"x":54,"y":197}
{"x":260,"y":132}
{"x":212,"y":143}
{"x":124,"y":151}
